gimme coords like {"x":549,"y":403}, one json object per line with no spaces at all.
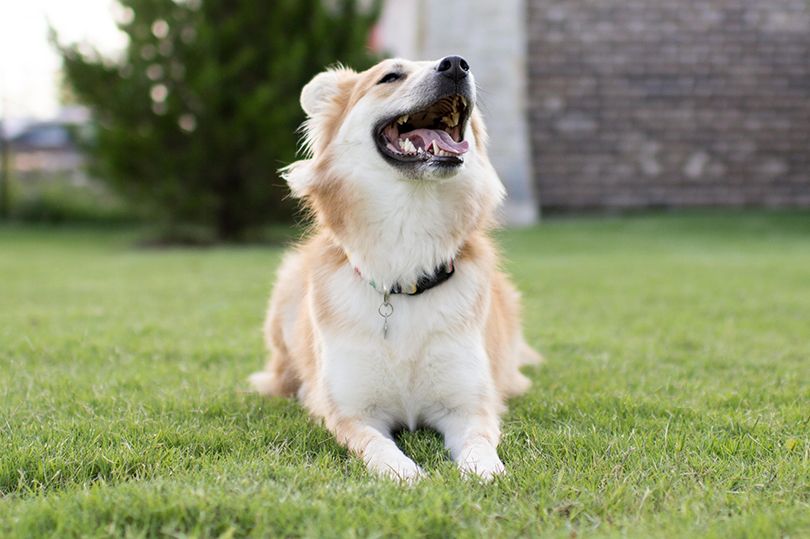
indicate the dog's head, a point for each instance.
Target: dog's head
{"x":398,"y":124}
{"x":411,"y":120}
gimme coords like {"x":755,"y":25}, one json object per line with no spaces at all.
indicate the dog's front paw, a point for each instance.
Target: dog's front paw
{"x":400,"y":469}
{"x":392,"y":463}
{"x":483,"y":464}
{"x":408,"y":471}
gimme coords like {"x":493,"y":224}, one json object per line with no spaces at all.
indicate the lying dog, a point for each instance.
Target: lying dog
{"x":394,"y":314}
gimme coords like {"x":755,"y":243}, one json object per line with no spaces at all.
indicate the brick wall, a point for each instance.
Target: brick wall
{"x":650,"y":103}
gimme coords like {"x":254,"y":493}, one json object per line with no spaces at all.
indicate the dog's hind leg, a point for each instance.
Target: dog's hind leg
{"x":285,"y":317}
{"x":527,"y":355}
{"x":274,"y":382}
{"x":280,"y":378}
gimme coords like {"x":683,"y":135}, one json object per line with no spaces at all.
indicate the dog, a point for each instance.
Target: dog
{"x":393,"y":313}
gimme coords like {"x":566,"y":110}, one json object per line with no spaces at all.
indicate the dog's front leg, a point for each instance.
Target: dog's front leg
{"x":377,"y":448}
{"x":472,"y":439}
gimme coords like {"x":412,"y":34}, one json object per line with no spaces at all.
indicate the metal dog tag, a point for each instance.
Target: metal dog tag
{"x":385,"y":309}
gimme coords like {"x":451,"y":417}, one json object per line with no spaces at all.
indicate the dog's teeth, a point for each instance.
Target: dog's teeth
{"x":402,"y":119}
{"x":408,"y":145}
{"x":452,"y":119}
{"x":435,"y":148}
{"x":463,"y":100}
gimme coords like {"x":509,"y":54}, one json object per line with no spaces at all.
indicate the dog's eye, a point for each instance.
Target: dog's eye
{"x":391,"y":77}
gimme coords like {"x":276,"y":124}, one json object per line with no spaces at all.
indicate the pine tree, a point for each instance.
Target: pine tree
{"x":196,"y":118}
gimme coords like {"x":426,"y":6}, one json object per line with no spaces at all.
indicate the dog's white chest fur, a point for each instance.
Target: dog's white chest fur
{"x":429,"y":361}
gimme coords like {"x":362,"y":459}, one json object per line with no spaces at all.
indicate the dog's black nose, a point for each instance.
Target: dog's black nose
{"x":453,"y":67}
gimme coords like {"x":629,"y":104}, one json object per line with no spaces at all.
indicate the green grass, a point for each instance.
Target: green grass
{"x":675,"y":401}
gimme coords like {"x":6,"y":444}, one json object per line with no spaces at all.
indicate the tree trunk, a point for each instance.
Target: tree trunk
{"x":230,"y":220}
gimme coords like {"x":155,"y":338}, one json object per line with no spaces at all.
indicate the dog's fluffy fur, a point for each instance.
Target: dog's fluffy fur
{"x":451,"y":355}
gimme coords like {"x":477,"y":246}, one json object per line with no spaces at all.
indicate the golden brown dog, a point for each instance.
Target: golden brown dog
{"x":394,"y":313}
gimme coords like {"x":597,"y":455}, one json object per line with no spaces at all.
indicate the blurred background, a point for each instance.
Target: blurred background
{"x":179,"y":112}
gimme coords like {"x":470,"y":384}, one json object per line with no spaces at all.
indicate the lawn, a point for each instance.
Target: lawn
{"x":674,"y":402}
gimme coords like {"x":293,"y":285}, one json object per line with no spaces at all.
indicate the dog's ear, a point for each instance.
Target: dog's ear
{"x":321,"y":88}
{"x":300,"y":176}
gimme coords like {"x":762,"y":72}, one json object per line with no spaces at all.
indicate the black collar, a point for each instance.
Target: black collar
{"x":424,"y":283}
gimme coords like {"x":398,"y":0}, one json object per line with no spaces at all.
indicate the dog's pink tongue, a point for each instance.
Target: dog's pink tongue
{"x":442,"y":138}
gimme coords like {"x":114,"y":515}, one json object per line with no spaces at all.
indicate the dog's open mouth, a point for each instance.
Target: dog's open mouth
{"x":435,"y":133}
